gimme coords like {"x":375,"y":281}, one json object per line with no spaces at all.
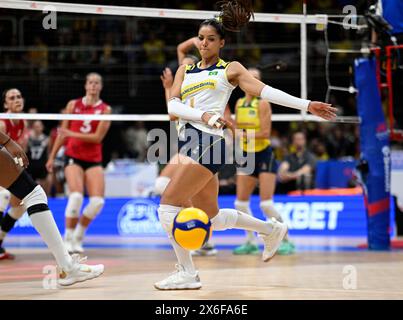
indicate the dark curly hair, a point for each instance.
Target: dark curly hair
{"x":234,"y":15}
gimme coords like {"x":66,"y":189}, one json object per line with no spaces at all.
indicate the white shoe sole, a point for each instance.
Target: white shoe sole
{"x":81,"y":279}
{"x":194,"y":286}
{"x":282,"y":235}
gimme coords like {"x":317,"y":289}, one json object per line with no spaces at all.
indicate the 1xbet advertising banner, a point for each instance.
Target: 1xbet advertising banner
{"x":305,"y":215}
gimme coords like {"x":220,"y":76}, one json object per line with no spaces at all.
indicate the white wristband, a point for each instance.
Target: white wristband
{"x":213,"y":121}
{"x":183,"y":111}
{"x":280,"y":97}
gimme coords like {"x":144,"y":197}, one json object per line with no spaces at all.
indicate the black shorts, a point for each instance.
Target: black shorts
{"x":205,"y":148}
{"x":37,"y":172}
{"x":85,"y":165}
{"x":264,"y":161}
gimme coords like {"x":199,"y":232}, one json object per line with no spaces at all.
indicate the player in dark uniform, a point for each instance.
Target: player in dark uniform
{"x":38,"y":144}
{"x":13,"y":102}
{"x":20,"y":184}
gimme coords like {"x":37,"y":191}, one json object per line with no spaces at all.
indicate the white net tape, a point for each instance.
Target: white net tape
{"x":152,"y":12}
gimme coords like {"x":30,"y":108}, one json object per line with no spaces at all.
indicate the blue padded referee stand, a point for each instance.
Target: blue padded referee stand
{"x":375,"y":150}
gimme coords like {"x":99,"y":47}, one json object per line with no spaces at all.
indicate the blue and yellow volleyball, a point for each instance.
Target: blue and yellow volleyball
{"x":191,"y":228}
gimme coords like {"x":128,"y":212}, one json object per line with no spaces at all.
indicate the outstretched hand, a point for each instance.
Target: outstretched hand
{"x":323,"y":110}
{"x":167,"y":78}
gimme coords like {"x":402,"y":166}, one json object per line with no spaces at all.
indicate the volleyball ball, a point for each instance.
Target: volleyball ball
{"x":191,"y":228}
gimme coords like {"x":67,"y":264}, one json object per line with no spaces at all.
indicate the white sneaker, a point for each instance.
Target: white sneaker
{"x":179,"y":280}
{"x":273,"y":240}
{"x":77,"y":246}
{"x":80,"y":272}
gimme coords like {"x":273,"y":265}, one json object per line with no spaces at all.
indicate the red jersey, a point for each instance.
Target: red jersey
{"x":14,"y":131}
{"x":77,"y":148}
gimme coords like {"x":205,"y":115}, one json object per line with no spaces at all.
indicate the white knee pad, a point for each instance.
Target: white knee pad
{"x":16,"y":212}
{"x":225,"y":219}
{"x":5,"y":197}
{"x":161,"y":184}
{"x":268,"y":208}
{"x":167,"y":214}
{"x":94,"y":207}
{"x":74,"y":205}
{"x":243,"y":206}
{"x":37,"y":196}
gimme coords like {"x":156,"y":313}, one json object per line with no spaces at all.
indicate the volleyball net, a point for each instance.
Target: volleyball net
{"x":52,"y":46}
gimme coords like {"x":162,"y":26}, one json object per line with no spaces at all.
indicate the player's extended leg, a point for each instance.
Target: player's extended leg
{"x":21,"y":185}
{"x":199,"y":184}
{"x":75,"y":180}
{"x":166,"y":174}
{"x":245,"y":184}
{"x":267,"y":185}
{"x":95,"y":185}
{"x":271,"y":232}
{"x":189,"y":179}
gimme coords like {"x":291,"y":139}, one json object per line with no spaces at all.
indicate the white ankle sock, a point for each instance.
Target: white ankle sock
{"x":68,"y":234}
{"x":79,"y":232}
{"x":47,"y":228}
{"x":166,"y":215}
{"x":244,"y":207}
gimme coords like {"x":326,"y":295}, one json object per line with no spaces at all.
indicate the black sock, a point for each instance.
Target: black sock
{"x":7,"y":223}
{"x":1,"y":216}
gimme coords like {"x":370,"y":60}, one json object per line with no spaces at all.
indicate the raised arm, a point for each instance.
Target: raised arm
{"x":167,"y":82}
{"x":237,"y":74}
{"x":184,"y":47}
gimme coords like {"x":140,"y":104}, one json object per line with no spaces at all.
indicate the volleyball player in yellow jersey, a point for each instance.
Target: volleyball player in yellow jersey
{"x":209,"y":84}
{"x":253,"y":116}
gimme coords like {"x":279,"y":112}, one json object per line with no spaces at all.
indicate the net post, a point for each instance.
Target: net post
{"x":304,"y":57}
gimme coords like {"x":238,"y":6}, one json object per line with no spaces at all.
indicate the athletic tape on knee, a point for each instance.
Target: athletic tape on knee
{"x":35,"y":197}
{"x":161,"y":184}
{"x":269,"y":210}
{"x":5,"y":196}
{"x":243,"y":206}
{"x":74,"y":205}
{"x":94,"y":207}
{"x":16,"y":212}
{"x":167,"y":214}
{"x":225,"y":219}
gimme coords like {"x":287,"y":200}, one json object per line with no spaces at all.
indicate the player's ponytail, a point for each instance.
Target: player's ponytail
{"x":234,"y":15}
